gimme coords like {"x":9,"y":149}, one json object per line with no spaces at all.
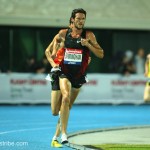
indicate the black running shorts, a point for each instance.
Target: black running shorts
{"x":76,"y":83}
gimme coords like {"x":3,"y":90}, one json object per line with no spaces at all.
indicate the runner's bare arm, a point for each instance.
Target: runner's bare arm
{"x":60,"y":38}
{"x":49,"y":55}
{"x":92,"y":44}
{"x":58,"y":44}
{"x":61,"y":35}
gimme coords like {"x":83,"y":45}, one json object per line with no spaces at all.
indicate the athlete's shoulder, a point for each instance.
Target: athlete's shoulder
{"x":89,"y":34}
{"x":63,"y":31}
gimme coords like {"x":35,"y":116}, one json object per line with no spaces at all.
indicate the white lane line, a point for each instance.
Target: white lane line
{"x":23,"y":130}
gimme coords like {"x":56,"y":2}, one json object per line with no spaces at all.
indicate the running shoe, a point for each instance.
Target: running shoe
{"x":56,"y":144}
{"x":64,"y":139}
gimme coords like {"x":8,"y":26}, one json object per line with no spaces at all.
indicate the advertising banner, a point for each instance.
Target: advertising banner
{"x":101,"y":88}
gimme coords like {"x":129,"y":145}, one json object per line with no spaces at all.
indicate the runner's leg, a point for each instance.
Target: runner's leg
{"x":55,"y":101}
{"x":74,"y":94}
{"x":55,"y":107}
{"x":65,"y":87}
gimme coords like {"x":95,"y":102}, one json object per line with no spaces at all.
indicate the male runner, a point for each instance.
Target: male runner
{"x":78,"y":43}
{"x":54,"y":54}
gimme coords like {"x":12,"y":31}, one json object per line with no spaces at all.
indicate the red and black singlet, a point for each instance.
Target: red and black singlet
{"x":76,"y":56}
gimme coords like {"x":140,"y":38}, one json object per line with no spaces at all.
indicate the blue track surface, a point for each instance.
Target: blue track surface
{"x":35,"y":125}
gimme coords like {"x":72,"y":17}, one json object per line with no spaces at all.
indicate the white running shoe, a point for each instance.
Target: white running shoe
{"x":64,"y":139}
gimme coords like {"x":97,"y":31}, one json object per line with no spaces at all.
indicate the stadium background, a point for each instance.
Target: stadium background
{"x":26,"y":28}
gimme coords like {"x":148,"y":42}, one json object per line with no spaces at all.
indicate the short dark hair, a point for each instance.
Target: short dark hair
{"x":78,"y":10}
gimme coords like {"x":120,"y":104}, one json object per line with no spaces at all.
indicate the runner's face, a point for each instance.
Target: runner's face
{"x":79,"y":20}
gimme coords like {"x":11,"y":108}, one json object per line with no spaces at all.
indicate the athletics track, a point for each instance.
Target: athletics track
{"x":31,"y":127}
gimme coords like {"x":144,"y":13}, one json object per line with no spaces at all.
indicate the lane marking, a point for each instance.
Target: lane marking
{"x":23,"y":130}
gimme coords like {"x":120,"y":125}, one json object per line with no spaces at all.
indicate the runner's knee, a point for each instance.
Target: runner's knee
{"x":55,"y":112}
{"x":65,"y":100}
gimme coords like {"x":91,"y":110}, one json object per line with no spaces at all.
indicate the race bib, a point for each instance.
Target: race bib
{"x":73,"y":56}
